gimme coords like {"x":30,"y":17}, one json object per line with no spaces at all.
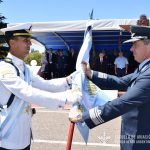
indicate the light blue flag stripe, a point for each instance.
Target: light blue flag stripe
{"x":91,"y":94}
{"x":79,"y":82}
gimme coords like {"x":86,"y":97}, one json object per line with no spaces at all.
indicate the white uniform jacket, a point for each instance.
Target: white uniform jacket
{"x":40,"y":92}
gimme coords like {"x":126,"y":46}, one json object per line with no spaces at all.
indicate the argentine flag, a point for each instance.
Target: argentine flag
{"x":91,"y":94}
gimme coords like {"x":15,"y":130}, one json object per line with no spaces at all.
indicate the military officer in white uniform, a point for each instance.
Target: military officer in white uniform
{"x":134,"y":105}
{"x":19,"y":87}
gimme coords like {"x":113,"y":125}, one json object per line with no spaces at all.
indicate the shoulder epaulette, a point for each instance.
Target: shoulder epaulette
{"x":8,"y":60}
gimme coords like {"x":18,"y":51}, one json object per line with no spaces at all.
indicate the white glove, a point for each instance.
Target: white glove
{"x":73,"y":96}
{"x":71,"y":77}
{"x":75,"y":115}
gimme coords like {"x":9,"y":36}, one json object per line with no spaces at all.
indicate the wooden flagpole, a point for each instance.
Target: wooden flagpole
{"x":70,"y":136}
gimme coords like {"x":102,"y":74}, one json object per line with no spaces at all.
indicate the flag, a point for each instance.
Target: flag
{"x":85,"y":48}
{"x":80,"y":77}
{"x":91,"y":94}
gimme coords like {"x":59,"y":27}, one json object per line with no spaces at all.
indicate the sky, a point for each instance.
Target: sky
{"x":62,"y":10}
{"x":18,"y":11}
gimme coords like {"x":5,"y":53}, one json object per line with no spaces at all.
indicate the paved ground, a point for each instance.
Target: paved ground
{"x":50,"y":130}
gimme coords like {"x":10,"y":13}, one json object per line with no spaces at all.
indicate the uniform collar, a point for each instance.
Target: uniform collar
{"x":18,"y":62}
{"x":143,"y":63}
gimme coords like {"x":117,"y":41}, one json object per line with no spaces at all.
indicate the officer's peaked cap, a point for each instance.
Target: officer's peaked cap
{"x":139,"y":33}
{"x":17,"y":30}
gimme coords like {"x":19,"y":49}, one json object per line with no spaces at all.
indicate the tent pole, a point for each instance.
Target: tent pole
{"x":62,"y":39}
{"x":120,"y":41}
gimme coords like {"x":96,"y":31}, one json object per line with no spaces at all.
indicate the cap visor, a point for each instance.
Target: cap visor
{"x":131,"y":40}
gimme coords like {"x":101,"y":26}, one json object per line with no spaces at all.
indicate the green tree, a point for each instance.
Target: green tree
{"x":2,"y":18}
{"x":3,"y":50}
{"x":35,"y":55}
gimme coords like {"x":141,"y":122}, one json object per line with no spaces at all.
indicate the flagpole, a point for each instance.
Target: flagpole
{"x":70,"y":136}
{"x":72,"y":124}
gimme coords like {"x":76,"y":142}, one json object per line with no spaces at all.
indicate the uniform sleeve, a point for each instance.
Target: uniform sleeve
{"x":135,"y":97}
{"x":104,"y":80}
{"x":10,"y":81}
{"x":53,"y":85}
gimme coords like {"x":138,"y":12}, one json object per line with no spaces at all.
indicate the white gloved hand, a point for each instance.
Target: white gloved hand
{"x":71,"y":77}
{"x":73,"y":96}
{"x":75,"y":115}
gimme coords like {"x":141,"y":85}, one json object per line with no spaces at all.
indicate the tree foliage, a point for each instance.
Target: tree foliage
{"x":3,"y":50}
{"x":35,"y":55}
{"x":2,"y":18}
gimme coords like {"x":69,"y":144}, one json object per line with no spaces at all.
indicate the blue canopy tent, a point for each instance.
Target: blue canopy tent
{"x":107,"y":34}
{"x":106,"y":39}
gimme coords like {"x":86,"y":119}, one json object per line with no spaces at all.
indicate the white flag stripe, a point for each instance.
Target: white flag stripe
{"x":80,"y":79}
{"x":85,"y":49}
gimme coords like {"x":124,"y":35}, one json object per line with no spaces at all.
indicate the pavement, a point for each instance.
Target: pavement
{"x":51,"y":127}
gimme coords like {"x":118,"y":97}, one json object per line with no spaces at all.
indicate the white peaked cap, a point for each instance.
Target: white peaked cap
{"x":24,"y":26}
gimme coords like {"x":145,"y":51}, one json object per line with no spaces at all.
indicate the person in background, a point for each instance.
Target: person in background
{"x":20,"y":87}
{"x":121,"y":65}
{"x":72,"y":58}
{"x":101,"y":63}
{"x":42,"y":71}
{"x":51,"y":63}
{"x":93,"y":58}
{"x":61,"y":62}
{"x":143,"y":21}
{"x":134,"y":105}
{"x":111,"y":59}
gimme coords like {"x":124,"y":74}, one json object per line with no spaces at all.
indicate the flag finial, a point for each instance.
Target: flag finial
{"x":91,"y":14}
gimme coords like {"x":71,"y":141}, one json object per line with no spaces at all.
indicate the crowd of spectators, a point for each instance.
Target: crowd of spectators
{"x":57,"y":64}
{"x":60,"y":63}
{"x":113,"y":62}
